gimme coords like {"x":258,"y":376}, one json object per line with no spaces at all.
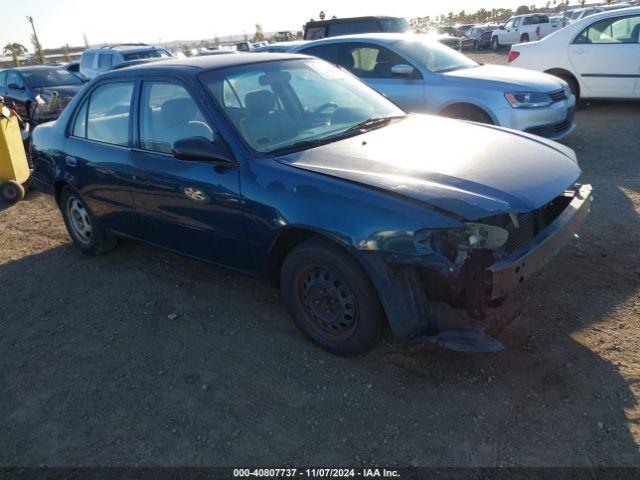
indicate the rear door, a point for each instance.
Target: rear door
{"x":606,"y":56}
{"x":192,"y":207}
{"x":97,"y":153}
{"x":373,"y":64}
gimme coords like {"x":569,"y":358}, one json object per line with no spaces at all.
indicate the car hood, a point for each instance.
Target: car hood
{"x":63,"y":90}
{"x":468,"y":170}
{"x":507,"y":78}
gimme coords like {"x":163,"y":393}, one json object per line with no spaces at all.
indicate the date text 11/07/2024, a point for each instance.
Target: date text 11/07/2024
{"x":315,"y":473}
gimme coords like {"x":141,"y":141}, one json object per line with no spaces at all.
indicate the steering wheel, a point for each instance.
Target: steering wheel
{"x":323,"y":107}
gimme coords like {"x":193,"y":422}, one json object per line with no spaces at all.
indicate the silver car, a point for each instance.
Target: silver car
{"x":422,"y":75}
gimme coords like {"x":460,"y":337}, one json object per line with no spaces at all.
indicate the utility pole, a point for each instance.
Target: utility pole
{"x":37,"y":45}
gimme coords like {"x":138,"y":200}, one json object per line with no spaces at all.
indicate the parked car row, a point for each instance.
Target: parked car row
{"x":598,"y":56}
{"x":290,"y":169}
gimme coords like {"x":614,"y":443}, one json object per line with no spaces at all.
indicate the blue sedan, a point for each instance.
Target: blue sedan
{"x":290,"y":169}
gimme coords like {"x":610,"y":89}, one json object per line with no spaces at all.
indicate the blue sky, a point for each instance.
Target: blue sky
{"x":63,"y":21}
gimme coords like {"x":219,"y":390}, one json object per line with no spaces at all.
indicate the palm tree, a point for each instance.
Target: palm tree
{"x":15,"y":50}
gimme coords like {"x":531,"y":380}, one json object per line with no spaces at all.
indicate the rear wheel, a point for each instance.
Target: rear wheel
{"x":330,"y":298}
{"x":11,"y":191}
{"x":476,"y":45}
{"x":87,"y":235}
{"x":524,"y":38}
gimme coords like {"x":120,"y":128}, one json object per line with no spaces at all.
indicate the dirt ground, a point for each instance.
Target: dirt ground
{"x":142,"y":357}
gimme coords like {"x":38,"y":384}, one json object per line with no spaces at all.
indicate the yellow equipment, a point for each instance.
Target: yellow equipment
{"x":14,"y":169}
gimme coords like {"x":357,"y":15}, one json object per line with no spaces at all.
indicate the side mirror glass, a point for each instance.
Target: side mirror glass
{"x":200,"y":149}
{"x":502,"y":27}
{"x":402,"y":70}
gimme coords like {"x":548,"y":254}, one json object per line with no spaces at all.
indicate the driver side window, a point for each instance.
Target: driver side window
{"x":168,"y":113}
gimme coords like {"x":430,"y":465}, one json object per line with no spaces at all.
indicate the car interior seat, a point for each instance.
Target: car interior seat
{"x":262,"y":124}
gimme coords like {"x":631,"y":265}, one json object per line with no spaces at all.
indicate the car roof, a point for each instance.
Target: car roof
{"x":379,"y":37}
{"x":36,"y":67}
{"x":350,"y":20}
{"x":195,"y":65}
{"x":123,"y":48}
{"x":604,"y":14}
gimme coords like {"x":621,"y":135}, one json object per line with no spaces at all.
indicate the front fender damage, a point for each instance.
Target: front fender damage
{"x":412,"y":314}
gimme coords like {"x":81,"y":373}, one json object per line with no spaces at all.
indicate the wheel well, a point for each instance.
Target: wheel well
{"x":286,"y":242}
{"x":562,"y":73}
{"x":57,"y":190}
{"x":457,"y":108}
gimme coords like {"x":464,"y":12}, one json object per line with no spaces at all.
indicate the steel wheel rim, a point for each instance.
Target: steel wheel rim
{"x":328,"y":301}
{"x":10,"y":191}
{"x":79,"y":220}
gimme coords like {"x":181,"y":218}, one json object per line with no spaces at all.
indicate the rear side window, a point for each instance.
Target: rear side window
{"x":87,"y":60}
{"x":617,"y":30}
{"x":108,"y":113}
{"x":340,"y":29}
{"x":105,"y":61}
{"x":325,"y":52}
{"x":530,"y":21}
{"x":366,"y":27}
{"x":167,"y":114}
{"x":14,"y":80}
{"x":314,"y":33}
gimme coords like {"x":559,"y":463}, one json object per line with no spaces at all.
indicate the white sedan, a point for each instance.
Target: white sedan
{"x":599,"y":56}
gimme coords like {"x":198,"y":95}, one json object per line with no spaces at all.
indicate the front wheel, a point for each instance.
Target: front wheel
{"x":495,"y":44}
{"x":330,"y":298}
{"x":85,"y":231}
{"x":11,"y":191}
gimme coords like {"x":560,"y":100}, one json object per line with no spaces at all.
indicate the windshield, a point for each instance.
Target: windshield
{"x":434,"y":56}
{"x":155,"y":53}
{"x":49,"y":77}
{"x":284,"y":105}
{"x":395,"y":25}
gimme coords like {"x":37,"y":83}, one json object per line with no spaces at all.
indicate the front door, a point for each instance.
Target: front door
{"x":97,"y":154}
{"x":192,"y":207}
{"x":606,"y":56}
{"x":17,"y":92}
{"x":373,"y":64}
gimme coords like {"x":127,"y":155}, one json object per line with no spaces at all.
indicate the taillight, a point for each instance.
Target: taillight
{"x":513,"y":55}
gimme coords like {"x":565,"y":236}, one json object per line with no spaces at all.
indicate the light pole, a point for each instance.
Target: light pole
{"x":39,"y":51}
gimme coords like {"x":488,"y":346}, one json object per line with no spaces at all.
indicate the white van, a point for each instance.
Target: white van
{"x":95,"y":61}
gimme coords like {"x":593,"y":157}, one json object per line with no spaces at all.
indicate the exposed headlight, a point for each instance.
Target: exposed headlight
{"x":567,"y":90}
{"x":528,"y":99}
{"x":490,"y":237}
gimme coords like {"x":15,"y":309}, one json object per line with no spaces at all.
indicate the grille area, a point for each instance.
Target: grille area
{"x":551,"y":130}
{"x":531,"y":223}
{"x":558,"y":95}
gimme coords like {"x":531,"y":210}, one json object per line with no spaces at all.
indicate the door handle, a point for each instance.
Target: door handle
{"x":580,"y":51}
{"x":71,"y":161}
{"x":141,"y":177}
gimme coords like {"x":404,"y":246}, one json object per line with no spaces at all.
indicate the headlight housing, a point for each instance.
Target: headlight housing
{"x":528,"y":99}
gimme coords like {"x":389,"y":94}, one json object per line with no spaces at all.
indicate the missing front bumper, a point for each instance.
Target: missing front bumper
{"x":508,"y":273}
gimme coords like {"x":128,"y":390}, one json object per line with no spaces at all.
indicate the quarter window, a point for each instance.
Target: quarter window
{"x":325,"y":52}
{"x":109,"y":112}
{"x":80,"y":126}
{"x":167,"y":114}
{"x":611,"y":31}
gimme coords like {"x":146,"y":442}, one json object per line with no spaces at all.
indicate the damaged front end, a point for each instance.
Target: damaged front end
{"x":472,"y":268}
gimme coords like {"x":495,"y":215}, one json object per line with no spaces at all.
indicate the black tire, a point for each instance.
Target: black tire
{"x":524,"y":38}
{"x":467,"y":112}
{"x":331,"y":298}
{"x":11,"y":191}
{"x":573,"y":85}
{"x":495,"y":44}
{"x":93,"y":240}
{"x":476,"y":45}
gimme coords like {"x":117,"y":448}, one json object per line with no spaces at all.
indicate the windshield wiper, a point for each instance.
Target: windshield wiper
{"x":371,"y":123}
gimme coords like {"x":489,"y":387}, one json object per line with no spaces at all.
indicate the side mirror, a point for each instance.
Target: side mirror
{"x":402,"y":70}
{"x":15,"y":86}
{"x":501,"y":27}
{"x":199,"y":149}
